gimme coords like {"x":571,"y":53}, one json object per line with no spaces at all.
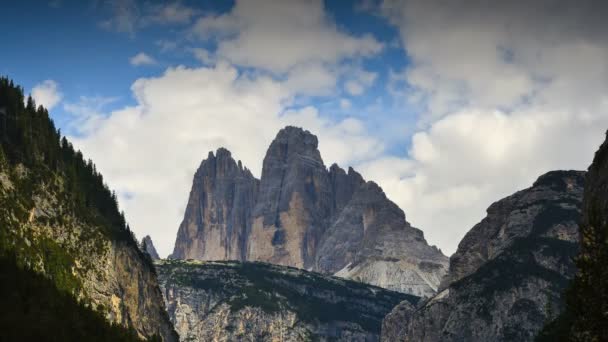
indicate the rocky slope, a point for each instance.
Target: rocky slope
{"x":148,"y":247}
{"x":371,"y":241}
{"x":306,"y":216}
{"x":586,"y":314}
{"x":59,"y":220}
{"x":218,"y":214}
{"x":232,"y":301}
{"x":506,"y":277}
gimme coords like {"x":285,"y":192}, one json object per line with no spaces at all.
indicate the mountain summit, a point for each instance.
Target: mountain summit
{"x":304,"y":215}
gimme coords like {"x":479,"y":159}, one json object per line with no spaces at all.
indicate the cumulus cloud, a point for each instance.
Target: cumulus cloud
{"x":278,"y":35}
{"x":142,"y":59}
{"x":150,"y":151}
{"x":47,"y":94}
{"x":510,"y":90}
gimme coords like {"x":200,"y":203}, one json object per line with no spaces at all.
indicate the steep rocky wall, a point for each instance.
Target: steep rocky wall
{"x":507,"y":275}
{"x":294,"y":202}
{"x":306,"y":216}
{"x":371,"y":241}
{"x":110,"y":275}
{"x":218,"y":214}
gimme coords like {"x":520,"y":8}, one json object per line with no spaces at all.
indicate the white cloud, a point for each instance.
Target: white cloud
{"x":142,"y":59}
{"x":149,"y":152}
{"x":354,"y":87}
{"x":292,"y":33}
{"x":87,"y":113}
{"x":345,"y":104}
{"x":203,"y":56}
{"x":47,"y":94}
{"x":508,"y":96}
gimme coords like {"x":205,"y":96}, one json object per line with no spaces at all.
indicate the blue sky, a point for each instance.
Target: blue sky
{"x":68,"y":44}
{"x":417,"y":95}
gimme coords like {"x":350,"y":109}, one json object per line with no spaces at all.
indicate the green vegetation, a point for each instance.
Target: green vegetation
{"x":33,"y":309}
{"x":586,"y":315}
{"x":41,"y":253}
{"x":313,"y":297}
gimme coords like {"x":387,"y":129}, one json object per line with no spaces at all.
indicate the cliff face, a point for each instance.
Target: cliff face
{"x":307,"y":216}
{"x":231,"y":301}
{"x":109,"y":274}
{"x":372,"y":242}
{"x":507,"y":275}
{"x":294,"y":202}
{"x":218,"y":213}
{"x":61,"y":223}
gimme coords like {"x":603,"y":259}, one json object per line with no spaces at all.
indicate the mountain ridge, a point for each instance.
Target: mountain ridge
{"x":297,"y":206}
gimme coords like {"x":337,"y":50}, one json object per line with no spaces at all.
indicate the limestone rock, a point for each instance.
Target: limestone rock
{"x":294,"y":202}
{"x":304,"y":215}
{"x":232,"y":301}
{"x":219,"y":209}
{"x":507,"y":275}
{"x":372,"y":242}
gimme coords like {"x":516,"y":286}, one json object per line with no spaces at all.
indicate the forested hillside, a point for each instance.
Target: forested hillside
{"x":70,"y":265}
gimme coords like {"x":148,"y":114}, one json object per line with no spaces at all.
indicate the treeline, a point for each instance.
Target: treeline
{"x":34,"y":307}
{"x":28,"y":136}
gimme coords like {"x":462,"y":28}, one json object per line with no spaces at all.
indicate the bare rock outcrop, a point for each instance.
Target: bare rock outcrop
{"x":372,"y":242}
{"x":219,"y":209}
{"x":304,"y":215}
{"x":148,"y":247}
{"x":507,"y":275}
{"x":234,"y":301}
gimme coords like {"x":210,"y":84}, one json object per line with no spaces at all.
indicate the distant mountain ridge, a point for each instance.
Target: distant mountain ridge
{"x":304,"y":215}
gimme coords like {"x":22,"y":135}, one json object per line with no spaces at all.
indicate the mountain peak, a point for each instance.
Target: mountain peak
{"x":561,"y":180}
{"x":296,"y":136}
{"x":148,"y":247}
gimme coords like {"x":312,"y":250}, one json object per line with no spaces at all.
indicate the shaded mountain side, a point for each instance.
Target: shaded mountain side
{"x":304,"y":215}
{"x":230,"y":301}
{"x":59,"y":219}
{"x":371,"y":241}
{"x":218,"y":214}
{"x":148,"y":246}
{"x":586,"y":314}
{"x":38,"y":310}
{"x":507,"y":274}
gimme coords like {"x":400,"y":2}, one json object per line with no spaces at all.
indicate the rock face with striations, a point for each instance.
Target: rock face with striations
{"x":303,"y":215}
{"x":507,"y":275}
{"x":148,"y":247}
{"x":234,"y":301}
{"x":371,"y":241}
{"x":219,"y":209}
{"x":294,"y":202}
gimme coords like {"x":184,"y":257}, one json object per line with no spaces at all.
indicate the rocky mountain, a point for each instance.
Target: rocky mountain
{"x":218,"y":214}
{"x":371,"y":241}
{"x":303,"y":215}
{"x":233,"y":301}
{"x":586,"y":317}
{"x":506,"y":277}
{"x":148,"y":247}
{"x":294,"y":203}
{"x":65,"y":240}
